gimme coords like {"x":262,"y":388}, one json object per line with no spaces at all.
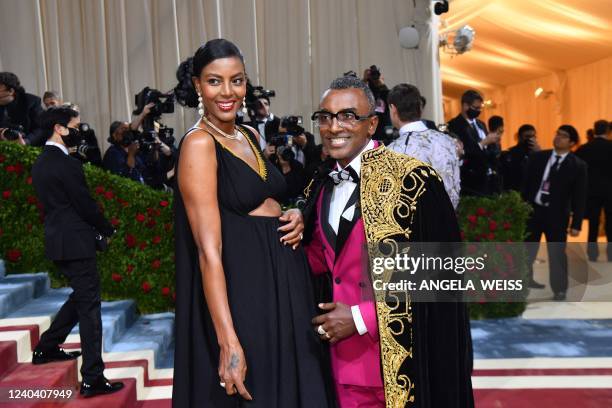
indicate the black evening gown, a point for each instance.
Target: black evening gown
{"x":269,"y":290}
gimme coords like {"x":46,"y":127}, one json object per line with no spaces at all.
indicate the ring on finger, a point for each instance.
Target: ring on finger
{"x":321,"y":330}
{"x":327,"y":336}
{"x":301,"y":236}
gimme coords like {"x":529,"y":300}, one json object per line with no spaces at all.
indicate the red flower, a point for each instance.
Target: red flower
{"x":150,"y":211}
{"x":481,"y":211}
{"x":29,"y":180}
{"x":146,"y":287}
{"x":491,"y":236}
{"x":165,"y":291}
{"x":18,"y":168}
{"x":2,"y":158}
{"x":151,"y":223}
{"x":10,"y":168}
{"x":507,"y":225}
{"x":6,"y":194}
{"x":156,"y":240}
{"x":99,"y":190}
{"x":472,"y":219}
{"x":462,"y":235}
{"x":156,"y":264}
{"x":129,"y":268}
{"x":143,"y":245}
{"x":116,"y":277}
{"x":114,"y":221}
{"x":109,"y":195}
{"x":13,"y":255}
{"x":164,"y":203}
{"x":31,"y":200}
{"x":140,"y":217}
{"x":130,"y":240}
{"x":174,"y":297}
{"x":492,"y":226}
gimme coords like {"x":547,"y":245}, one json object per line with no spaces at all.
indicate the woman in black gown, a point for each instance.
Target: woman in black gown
{"x":244,"y":301}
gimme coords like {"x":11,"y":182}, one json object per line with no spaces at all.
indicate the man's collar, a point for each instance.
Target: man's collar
{"x":59,"y":146}
{"x":356,"y":162}
{"x":554,"y":153}
{"x":417,"y":126}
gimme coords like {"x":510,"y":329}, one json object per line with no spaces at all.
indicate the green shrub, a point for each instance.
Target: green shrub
{"x":501,"y":218}
{"x":139,"y":263}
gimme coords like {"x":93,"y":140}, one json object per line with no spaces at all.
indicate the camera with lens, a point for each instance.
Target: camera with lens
{"x":252,"y":96}
{"x":164,"y":102}
{"x":12,"y":133}
{"x":292,"y":124}
{"x":374,"y":73}
{"x":166,"y":135}
{"x":86,"y":134}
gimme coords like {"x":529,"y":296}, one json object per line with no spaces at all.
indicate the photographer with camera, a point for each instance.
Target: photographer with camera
{"x":264,"y":121}
{"x":87,"y":149}
{"x":373,"y":77}
{"x":19,"y":110}
{"x":122,"y":156}
{"x":51,"y":99}
{"x":294,"y":174}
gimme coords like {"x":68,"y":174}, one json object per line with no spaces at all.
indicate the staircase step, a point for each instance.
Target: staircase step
{"x":117,"y":316}
{"x":19,"y":289}
{"x":121,"y":399}
{"x":160,"y":403}
{"x":154,"y":332}
{"x":8,"y":356}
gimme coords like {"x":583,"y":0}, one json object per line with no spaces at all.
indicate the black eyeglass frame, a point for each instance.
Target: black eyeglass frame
{"x":333,"y":116}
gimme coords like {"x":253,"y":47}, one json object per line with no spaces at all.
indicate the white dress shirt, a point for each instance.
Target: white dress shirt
{"x":434,"y":148}
{"x":551,"y":161}
{"x":340,"y":196}
{"x":61,"y":146}
{"x":261,"y":128}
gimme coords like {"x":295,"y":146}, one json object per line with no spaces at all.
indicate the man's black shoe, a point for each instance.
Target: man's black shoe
{"x":536,"y":285}
{"x":559,"y":297}
{"x":42,"y":357}
{"x":99,"y":387}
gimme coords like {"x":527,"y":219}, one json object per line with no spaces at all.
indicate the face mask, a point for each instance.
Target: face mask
{"x":72,"y":138}
{"x":473,"y":113}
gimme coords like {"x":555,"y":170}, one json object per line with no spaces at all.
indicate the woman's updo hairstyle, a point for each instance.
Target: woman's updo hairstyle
{"x":185,"y":91}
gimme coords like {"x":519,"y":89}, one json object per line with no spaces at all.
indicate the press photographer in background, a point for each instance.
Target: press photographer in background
{"x":86,"y":149}
{"x":51,"y":99}
{"x":373,"y":77}
{"x":257,"y":101}
{"x":19,"y":110}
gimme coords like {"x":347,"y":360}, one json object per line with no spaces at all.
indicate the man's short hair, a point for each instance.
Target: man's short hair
{"x":601,"y":127}
{"x":573,"y":133}
{"x":350,"y":82}
{"x":408,"y":101}
{"x":495,"y":122}
{"x":50,"y":95}
{"x":11,"y":81}
{"x":113,"y":128}
{"x":525,"y":128}
{"x":60,"y":115}
{"x":470,"y":96}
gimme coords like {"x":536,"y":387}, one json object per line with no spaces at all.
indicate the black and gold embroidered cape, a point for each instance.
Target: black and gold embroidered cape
{"x":426,"y":348}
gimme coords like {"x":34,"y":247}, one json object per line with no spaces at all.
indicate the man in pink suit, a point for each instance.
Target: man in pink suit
{"x":344,"y":215}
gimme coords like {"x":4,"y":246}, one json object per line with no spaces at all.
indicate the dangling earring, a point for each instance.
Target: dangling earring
{"x":244,"y":108}
{"x":200,"y":105}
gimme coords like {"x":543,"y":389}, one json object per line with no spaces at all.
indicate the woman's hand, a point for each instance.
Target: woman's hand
{"x":232,"y":370}
{"x":294,"y":227}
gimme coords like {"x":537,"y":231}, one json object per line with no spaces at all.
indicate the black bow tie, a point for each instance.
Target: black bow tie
{"x":347,"y":174}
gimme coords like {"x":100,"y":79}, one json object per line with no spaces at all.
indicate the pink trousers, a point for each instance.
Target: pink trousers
{"x":354,"y":396}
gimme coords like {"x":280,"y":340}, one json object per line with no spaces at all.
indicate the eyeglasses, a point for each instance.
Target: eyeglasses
{"x":345,"y":118}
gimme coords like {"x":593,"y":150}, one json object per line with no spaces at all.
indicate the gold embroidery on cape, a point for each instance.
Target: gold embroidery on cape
{"x":391,"y":184}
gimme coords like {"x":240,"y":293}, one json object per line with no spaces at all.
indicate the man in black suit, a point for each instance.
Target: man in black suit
{"x":73,"y":224}
{"x":266,"y":123}
{"x":598,"y":156}
{"x":512,"y":162}
{"x":555,"y":185}
{"x":480,"y":161}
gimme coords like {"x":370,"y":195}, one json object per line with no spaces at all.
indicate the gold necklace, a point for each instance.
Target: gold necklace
{"x":235,"y":136}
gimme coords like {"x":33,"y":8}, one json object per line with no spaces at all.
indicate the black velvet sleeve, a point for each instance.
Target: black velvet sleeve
{"x":441,"y":331}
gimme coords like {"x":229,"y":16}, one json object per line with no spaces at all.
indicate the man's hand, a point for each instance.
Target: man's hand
{"x":269,"y":151}
{"x":491,"y":138}
{"x":300,"y":140}
{"x":338,"y":323}
{"x":294,"y":226}
{"x":147,"y":108}
{"x":133,"y":149}
{"x":574,"y":232}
